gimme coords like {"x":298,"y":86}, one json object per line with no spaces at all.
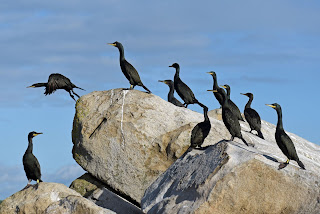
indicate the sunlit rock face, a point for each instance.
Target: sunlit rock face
{"x":128,"y":140}
{"x":49,"y":198}
{"x":139,"y":136}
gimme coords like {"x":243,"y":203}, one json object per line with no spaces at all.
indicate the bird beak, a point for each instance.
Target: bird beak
{"x":171,"y":66}
{"x":31,"y":86}
{"x":272,"y":106}
{"x":213,"y":90}
{"x":160,"y":80}
{"x":35,"y":134}
{"x":223,"y":86}
{"x":111,"y":44}
{"x":209,"y":72}
{"x":243,"y":94}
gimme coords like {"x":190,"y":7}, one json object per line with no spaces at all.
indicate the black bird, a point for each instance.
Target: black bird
{"x":57,"y":81}
{"x":30,"y":162}
{"x":252,"y":116}
{"x":234,"y":108}
{"x":201,"y":130}
{"x":182,"y":89}
{"x":284,"y":141}
{"x":229,"y":119}
{"x":171,"y":97}
{"x":216,"y":87}
{"x":128,"y":70}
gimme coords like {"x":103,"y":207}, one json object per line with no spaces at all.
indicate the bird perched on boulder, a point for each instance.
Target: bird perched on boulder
{"x":252,"y":116}
{"x":233,"y":107}
{"x":182,"y":89}
{"x":201,"y":130}
{"x":171,"y":97}
{"x":30,"y":162}
{"x":229,"y":119}
{"x":128,"y":70}
{"x":57,"y":81}
{"x":284,"y":141}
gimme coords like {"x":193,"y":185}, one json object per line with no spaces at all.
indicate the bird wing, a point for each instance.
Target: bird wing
{"x":196,"y":135}
{"x":231,"y":122}
{"x":253,"y":117}
{"x":176,"y":102}
{"x":132,"y":74}
{"x":57,"y":81}
{"x":291,"y":150}
{"x":183,"y":91}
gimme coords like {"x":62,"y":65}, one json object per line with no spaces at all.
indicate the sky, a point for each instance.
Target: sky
{"x":269,"y":48}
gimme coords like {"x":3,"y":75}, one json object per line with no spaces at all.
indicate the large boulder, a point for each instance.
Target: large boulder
{"x":229,"y":177}
{"x":128,"y":138}
{"x":86,"y":185}
{"x":50,"y":198}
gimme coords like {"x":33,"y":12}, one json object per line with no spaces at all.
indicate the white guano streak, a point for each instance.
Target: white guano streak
{"x":121,"y":126}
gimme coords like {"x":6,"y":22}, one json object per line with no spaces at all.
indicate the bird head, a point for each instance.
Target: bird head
{"x":33,"y":134}
{"x":225,"y":86}
{"x":167,"y":82}
{"x":247,"y":94}
{"x":115,"y":44}
{"x":174,"y":65}
{"x":36,"y":85}
{"x":274,"y":106}
{"x":212,"y":73}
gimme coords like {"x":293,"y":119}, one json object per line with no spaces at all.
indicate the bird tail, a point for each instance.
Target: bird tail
{"x":245,"y":142}
{"x":301,"y":164}
{"x":145,"y":88}
{"x":79,"y":88}
{"x":200,"y":104}
{"x":260,"y":134}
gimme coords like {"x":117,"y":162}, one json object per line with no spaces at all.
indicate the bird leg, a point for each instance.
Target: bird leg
{"x":283,"y":165}
{"x":72,"y":96}
{"x":75,"y":93}
{"x":35,"y":187}
{"x":231,"y":138}
{"x":28,"y":185}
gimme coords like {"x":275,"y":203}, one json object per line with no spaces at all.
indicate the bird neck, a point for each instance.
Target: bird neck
{"x":171,"y":91}
{"x":121,"y":51}
{"x":215,"y":83}
{"x":205,"y":113}
{"x":224,"y":97}
{"x":30,"y":146}
{"x":176,"y":76}
{"x":40,"y":85}
{"x":279,"y":124}
{"x":228,"y":92}
{"x":248,"y":105}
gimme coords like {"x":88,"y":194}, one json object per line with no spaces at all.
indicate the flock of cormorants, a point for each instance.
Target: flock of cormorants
{"x":230,"y":112}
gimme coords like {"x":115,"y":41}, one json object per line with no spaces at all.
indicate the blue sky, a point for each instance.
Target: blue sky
{"x":269,"y":48}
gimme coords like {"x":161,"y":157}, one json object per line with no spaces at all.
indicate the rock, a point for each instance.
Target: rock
{"x":111,"y":201}
{"x":86,"y":185}
{"x":139,"y":136}
{"x":49,"y":198}
{"x":229,"y":177}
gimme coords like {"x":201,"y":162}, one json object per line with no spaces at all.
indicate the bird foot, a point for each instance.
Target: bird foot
{"x":283,"y":165}
{"x":35,"y":187}
{"x":27,"y":186}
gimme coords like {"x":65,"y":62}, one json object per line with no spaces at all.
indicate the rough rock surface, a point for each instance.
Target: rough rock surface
{"x":50,"y":198}
{"x":139,"y":136}
{"x":229,"y":177}
{"x":86,"y":185}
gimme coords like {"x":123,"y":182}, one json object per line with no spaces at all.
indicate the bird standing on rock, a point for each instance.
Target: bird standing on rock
{"x":57,"y":81}
{"x":201,"y":130}
{"x":252,"y":116}
{"x":284,"y":141}
{"x":30,"y":162}
{"x":233,"y":107}
{"x":229,"y":119}
{"x":217,"y":95}
{"x":128,"y":70}
{"x":182,"y":89}
{"x":171,"y":97}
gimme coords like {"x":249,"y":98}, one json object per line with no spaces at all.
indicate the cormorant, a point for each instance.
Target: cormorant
{"x":171,"y":97}
{"x":252,"y":116}
{"x":216,"y":87}
{"x":283,"y":140}
{"x":182,"y":89}
{"x":229,"y":119}
{"x":128,"y":70}
{"x":57,"y":81}
{"x":30,"y":162}
{"x":234,"y":108}
{"x":201,"y":130}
